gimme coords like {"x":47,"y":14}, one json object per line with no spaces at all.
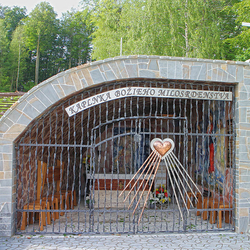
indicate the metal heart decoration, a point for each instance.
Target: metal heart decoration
{"x":163,"y":147}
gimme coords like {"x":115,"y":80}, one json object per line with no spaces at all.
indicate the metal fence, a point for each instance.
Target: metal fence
{"x":71,"y":170}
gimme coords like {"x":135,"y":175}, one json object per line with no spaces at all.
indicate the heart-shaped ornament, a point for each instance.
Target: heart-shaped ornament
{"x":163,"y":147}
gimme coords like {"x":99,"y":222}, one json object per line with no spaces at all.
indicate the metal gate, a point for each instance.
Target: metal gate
{"x":71,"y":170}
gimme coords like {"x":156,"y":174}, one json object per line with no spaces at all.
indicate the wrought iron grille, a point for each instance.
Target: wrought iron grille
{"x":70,"y":170}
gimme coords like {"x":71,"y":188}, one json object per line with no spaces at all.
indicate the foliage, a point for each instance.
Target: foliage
{"x":239,"y":45}
{"x":106,"y":37}
{"x":5,"y":81}
{"x":37,"y":46}
{"x":12,"y":18}
{"x":190,"y":28}
{"x":18,"y":56}
{"x":41,"y":28}
{"x":75,"y":32}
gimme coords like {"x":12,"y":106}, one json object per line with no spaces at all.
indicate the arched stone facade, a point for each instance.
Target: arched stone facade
{"x":43,"y":96}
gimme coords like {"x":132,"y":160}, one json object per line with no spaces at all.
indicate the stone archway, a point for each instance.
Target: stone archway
{"x":57,"y":88}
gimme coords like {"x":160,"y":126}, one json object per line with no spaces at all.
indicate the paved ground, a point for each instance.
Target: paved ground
{"x":139,"y":242}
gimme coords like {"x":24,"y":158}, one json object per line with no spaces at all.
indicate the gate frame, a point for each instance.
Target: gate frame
{"x":63,"y":85}
{"x":139,"y":119}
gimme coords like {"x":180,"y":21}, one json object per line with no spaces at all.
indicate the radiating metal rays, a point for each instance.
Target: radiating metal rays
{"x":161,"y":150}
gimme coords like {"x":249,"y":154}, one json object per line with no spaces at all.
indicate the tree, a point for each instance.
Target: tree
{"x":4,"y":47}
{"x":75,"y":32}
{"x":18,"y":55}
{"x":189,"y":28}
{"x":41,"y":28}
{"x":12,"y":18}
{"x":106,"y":37}
{"x":239,"y":43}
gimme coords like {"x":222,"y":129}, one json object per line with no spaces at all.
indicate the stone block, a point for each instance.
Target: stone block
{"x":96,"y":76}
{"x":5,"y":191}
{"x":8,"y":122}
{"x":243,"y":95}
{"x":5,"y":198}
{"x":5,"y":226}
{"x":60,"y":80}
{"x":7,"y":165}
{"x":195,"y":72}
{"x":245,"y":185}
{"x":59,"y":90}
{"x":143,"y":60}
{"x":127,"y":61}
{"x":243,"y":148}
{"x":122,"y":69}
{"x":43,"y":99}
{"x":106,"y":67}
{"x":14,"y":115}
{"x":153,"y":65}
{"x":203,"y":73}
{"x":30,"y":111}
{"x":76,"y":80}
{"x":247,"y":81}
{"x":231,"y":69}
{"x":22,"y":104}
{"x":6,"y":183}
{"x":163,"y":63}
{"x":143,"y":66}
{"x":15,"y":129}
{"x":178,"y":70}
{"x":132,"y":70}
{"x":171,"y":73}
{"x":245,"y":178}
{"x":186,"y":72}
{"x":243,"y":224}
{"x":67,"y":78}
{"x":110,"y":75}
{"x":243,"y":104}
{"x":243,"y":171}
{"x":118,"y":69}
{"x":3,"y":127}
{"x":242,"y":140}
{"x":104,"y":76}
{"x":163,"y":72}
{"x":6,"y":233}
{"x":8,"y":175}
{"x":24,"y":120}
{"x":50,"y":93}
{"x":243,"y":212}
{"x":67,"y":89}
{"x":245,"y":194}
{"x":6,"y":148}
{"x":147,"y":74}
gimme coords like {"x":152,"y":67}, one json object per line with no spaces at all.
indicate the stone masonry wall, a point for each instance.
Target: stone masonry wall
{"x":46,"y":94}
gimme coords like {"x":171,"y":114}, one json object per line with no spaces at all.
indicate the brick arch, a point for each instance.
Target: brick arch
{"x":59,"y":87}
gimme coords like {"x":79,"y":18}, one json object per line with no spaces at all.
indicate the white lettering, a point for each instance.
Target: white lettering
{"x":145,"y":91}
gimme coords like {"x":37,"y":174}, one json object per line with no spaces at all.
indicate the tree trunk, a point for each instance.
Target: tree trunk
{"x":186,"y":28}
{"x":70,"y":62}
{"x":18,"y":66}
{"x":37,"y":60}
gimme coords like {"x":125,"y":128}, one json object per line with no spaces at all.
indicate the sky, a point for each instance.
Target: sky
{"x":60,"y":6}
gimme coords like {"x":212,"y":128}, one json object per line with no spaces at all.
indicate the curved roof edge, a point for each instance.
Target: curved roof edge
{"x":57,"y":87}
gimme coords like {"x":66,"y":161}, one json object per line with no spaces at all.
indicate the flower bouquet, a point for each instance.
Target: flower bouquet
{"x":160,"y":196}
{"x":89,"y":202}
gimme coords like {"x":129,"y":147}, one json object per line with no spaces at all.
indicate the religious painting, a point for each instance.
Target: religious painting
{"x":211,"y":146}
{"x":130,"y":150}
